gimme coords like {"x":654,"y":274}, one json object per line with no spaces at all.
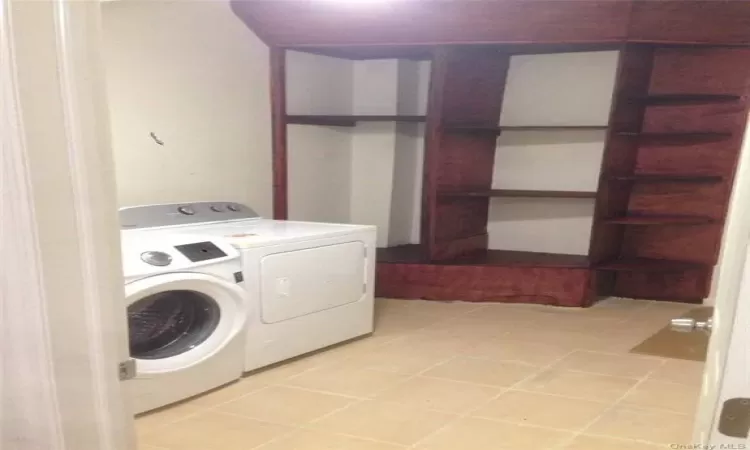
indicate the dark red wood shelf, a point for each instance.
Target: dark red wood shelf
{"x":659,"y":220}
{"x":554,"y":128}
{"x":348,"y":121}
{"x":498,"y":130}
{"x":687,"y":99}
{"x":473,"y":129}
{"x":647,"y":265}
{"x":520,"y":193}
{"x":360,"y":53}
{"x":677,"y":137}
{"x":669,"y":178}
{"x":413,"y":254}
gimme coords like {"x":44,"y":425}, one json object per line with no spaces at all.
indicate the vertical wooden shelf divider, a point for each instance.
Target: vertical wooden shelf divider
{"x":467,"y":86}
{"x":620,"y":153}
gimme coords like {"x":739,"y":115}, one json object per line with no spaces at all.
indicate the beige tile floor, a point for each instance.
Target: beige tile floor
{"x":455,"y":376}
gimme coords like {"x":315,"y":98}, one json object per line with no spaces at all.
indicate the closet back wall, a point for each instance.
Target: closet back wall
{"x":195,"y":76}
{"x":567,"y":89}
{"x":319,"y":158}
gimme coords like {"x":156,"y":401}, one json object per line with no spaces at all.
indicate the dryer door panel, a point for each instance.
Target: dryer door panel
{"x":306,"y":281}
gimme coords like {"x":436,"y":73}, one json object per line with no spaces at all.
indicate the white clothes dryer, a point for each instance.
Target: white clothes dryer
{"x":187,"y":315}
{"x":310,"y":285}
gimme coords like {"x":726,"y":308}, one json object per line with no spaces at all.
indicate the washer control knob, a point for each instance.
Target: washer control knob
{"x":156,"y":258}
{"x":217,"y":208}
{"x":233,"y":207}
{"x":186,"y":210}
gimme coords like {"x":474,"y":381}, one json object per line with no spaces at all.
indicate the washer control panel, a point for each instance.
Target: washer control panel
{"x":152,"y":216}
{"x":201,"y":251}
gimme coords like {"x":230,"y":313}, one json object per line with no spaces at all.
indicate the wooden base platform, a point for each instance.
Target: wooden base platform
{"x":490,"y":276}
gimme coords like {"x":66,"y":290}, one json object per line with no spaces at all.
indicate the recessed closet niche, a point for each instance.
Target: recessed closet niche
{"x":553,"y":121}
{"x":355,"y":131}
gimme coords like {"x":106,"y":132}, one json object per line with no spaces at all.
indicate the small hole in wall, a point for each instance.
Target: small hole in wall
{"x":156,"y":139}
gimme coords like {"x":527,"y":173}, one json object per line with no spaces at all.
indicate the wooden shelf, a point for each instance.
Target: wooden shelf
{"x":348,"y":121}
{"x":659,"y":220}
{"x":412,"y":254}
{"x":520,"y":193}
{"x":497,"y":130}
{"x":473,"y":129}
{"x":555,"y":128}
{"x":678,"y":137}
{"x":687,"y":99}
{"x":647,"y":265}
{"x":668,"y":178}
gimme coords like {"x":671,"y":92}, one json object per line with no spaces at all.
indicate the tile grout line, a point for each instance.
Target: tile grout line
{"x":492,"y":398}
{"x":307,"y":426}
{"x":362,"y":400}
{"x":610,"y":408}
{"x":358,"y":400}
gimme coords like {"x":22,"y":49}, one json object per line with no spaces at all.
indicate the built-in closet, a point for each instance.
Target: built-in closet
{"x":569,"y":150}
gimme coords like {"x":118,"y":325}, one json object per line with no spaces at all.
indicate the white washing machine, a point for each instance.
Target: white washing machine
{"x":310,"y":285}
{"x":187,"y":315}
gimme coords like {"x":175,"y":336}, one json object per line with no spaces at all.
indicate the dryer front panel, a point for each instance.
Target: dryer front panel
{"x":302,"y":282}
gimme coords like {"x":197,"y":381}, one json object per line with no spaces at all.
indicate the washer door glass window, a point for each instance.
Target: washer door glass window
{"x":168,"y":323}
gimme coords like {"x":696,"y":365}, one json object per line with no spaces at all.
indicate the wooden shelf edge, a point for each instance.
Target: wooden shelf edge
{"x":348,"y":121}
{"x":647,"y":265}
{"x":667,"y":178}
{"x":498,"y":130}
{"x":414,"y":254}
{"x":658,"y":220}
{"x":555,"y":128}
{"x":685,"y":99}
{"x":678,"y":136}
{"x":526,"y":193}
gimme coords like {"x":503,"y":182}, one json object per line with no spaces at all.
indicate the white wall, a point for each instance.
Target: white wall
{"x":406,"y":201}
{"x":342,"y":174}
{"x":194,"y":75}
{"x":559,"y":89}
{"x":386,"y":156}
{"x":319,"y":158}
{"x":373,"y":145}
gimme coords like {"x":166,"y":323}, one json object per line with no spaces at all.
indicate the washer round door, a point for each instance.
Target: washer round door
{"x":177,"y":320}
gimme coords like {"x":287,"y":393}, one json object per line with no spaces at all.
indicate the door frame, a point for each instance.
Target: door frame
{"x":62,"y":315}
{"x":728,"y":278}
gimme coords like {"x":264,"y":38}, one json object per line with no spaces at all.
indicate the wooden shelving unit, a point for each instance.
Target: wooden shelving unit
{"x":520,"y":193}
{"x":680,"y":103}
{"x":348,"y":121}
{"x":652,"y":238}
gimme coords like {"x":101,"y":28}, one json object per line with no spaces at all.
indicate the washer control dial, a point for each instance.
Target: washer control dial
{"x":186,"y":210}
{"x":217,"y":208}
{"x":156,"y":258}
{"x":233,"y":207}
